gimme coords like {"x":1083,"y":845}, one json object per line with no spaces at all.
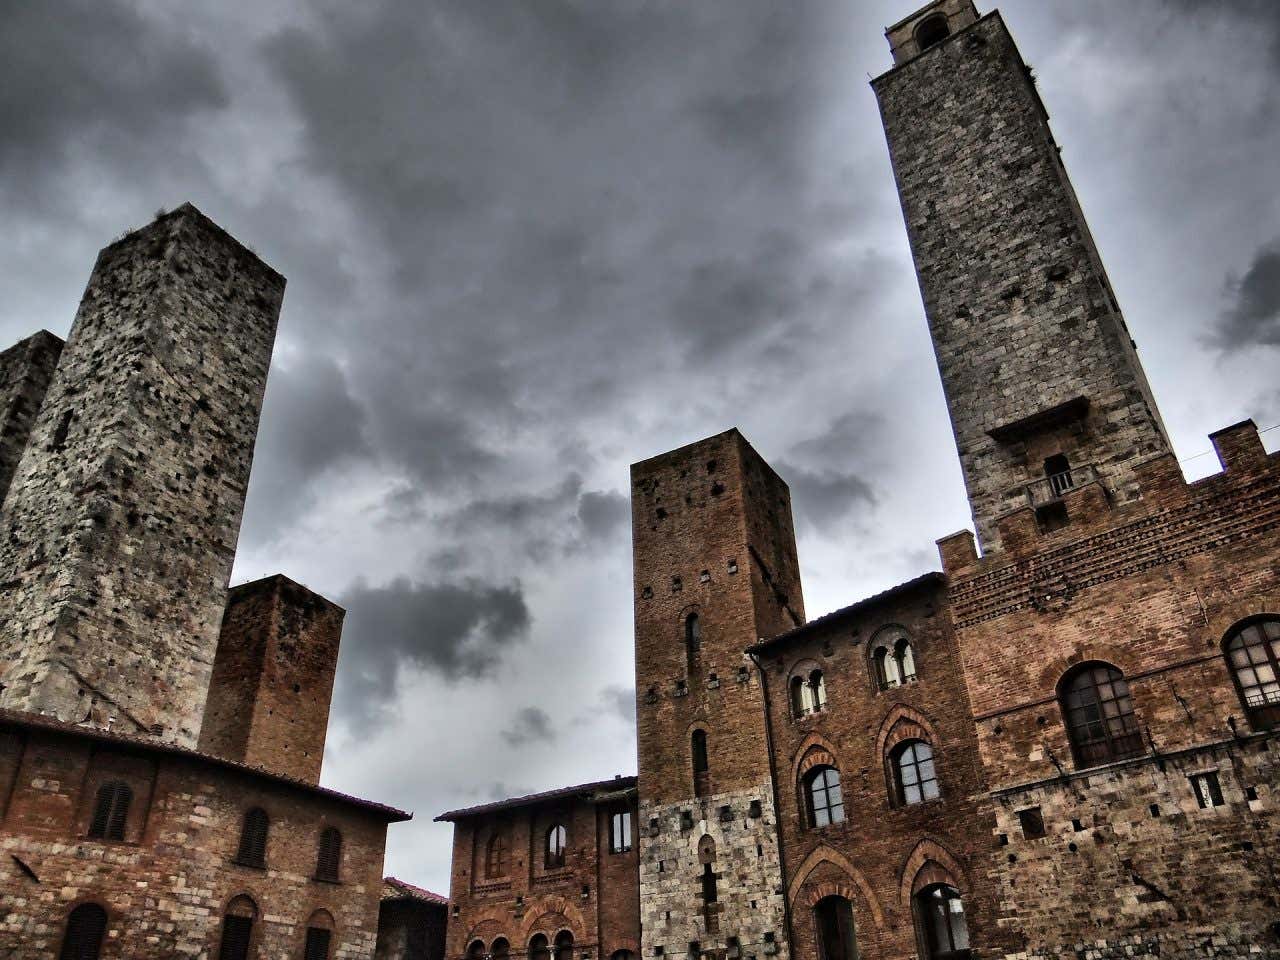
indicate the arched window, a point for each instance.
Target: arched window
{"x":564,"y":945}
{"x":692,"y":638}
{"x":555,"y":847}
{"x":237,"y":929}
{"x":319,"y":936}
{"x":941,"y":913}
{"x":495,"y":858}
{"x":253,"y":839}
{"x":825,"y":801}
{"x":808,"y":694}
{"x":1099,"y":714}
{"x":932,"y":30}
{"x":620,"y":831}
{"x":894,"y":660}
{"x":501,"y":949}
{"x":475,"y":950}
{"x":86,"y":925}
{"x":914,"y":776}
{"x":329,"y":856}
{"x":539,"y":948}
{"x":110,"y":811}
{"x":833,"y":917}
{"x":701,"y":765}
{"x":622,"y":955}
{"x":1253,"y":653}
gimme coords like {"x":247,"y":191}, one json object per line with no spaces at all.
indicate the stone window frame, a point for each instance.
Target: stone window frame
{"x":899,"y":644}
{"x":931,"y":21}
{"x":621,"y":816}
{"x":800,"y":681}
{"x":555,"y":842}
{"x":1266,"y":714}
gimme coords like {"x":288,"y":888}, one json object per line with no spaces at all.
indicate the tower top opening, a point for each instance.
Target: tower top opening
{"x":928,"y":27}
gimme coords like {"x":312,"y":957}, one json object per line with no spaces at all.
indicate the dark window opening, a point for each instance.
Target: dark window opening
{"x":932,"y":31}
{"x":237,"y":929}
{"x":1100,"y":717}
{"x":1057,"y":470}
{"x":914,"y":773}
{"x":941,"y":912}
{"x":701,"y":765}
{"x":808,"y":694}
{"x":692,"y":639}
{"x":110,"y":811}
{"x":501,"y":949}
{"x":555,"y":847}
{"x":329,"y":855}
{"x":895,"y":661}
{"x":826,"y":801}
{"x":837,"y":939}
{"x":620,"y":832}
{"x":317,"y":946}
{"x":710,"y":891}
{"x":86,"y":926}
{"x":476,"y":950}
{"x":1032,"y":823}
{"x":495,"y":859}
{"x":539,"y":948}
{"x":564,"y":945}
{"x":1207,"y":789}
{"x":1253,"y":655}
{"x":253,"y":839}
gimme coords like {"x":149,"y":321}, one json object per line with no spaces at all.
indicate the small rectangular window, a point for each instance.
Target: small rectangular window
{"x":620,"y":832}
{"x":1032,"y":822}
{"x":1207,"y":790}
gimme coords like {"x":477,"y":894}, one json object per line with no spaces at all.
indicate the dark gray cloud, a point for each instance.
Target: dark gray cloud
{"x":530,"y":725}
{"x":621,"y":702}
{"x":454,"y":631}
{"x":1247,"y":14}
{"x":1252,"y":315}
{"x":821,"y":499}
{"x":98,"y":76}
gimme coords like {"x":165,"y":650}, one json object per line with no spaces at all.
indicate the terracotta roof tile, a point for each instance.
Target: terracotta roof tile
{"x":396,"y":889}
{"x":582,"y":789}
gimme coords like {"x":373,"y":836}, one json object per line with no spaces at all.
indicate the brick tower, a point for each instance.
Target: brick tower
{"x":715,"y":570}
{"x":1043,"y":385}
{"x":120,"y":525}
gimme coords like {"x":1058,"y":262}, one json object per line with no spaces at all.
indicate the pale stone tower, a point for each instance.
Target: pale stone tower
{"x":119,"y":529}
{"x":715,"y":570}
{"x":1043,"y":385}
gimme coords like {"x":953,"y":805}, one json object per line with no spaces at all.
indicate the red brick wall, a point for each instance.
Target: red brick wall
{"x":273,"y":676}
{"x":165,"y":886}
{"x":595,"y":895}
{"x":878,"y":851}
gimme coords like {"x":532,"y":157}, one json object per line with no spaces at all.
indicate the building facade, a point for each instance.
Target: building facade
{"x":161,"y":736}
{"x":1059,"y":746}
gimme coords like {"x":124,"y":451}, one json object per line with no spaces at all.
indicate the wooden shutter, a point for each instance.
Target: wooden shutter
{"x":330,"y":855}
{"x":85,"y":927}
{"x":317,"y":944}
{"x":236,"y":932}
{"x":253,"y":839}
{"x":110,"y":811}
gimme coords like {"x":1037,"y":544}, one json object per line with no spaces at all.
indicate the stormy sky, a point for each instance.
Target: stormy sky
{"x":531,"y":242}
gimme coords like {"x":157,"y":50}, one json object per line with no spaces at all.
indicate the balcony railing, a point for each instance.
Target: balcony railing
{"x":1054,"y":487}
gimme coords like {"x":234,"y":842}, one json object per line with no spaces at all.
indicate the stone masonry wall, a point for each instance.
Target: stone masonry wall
{"x":736,"y":833}
{"x":268,"y":703}
{"x":25,"y":371}
{"x":1021,"y":312}
{"x":166,"y":885}
{"x":120,"y":526}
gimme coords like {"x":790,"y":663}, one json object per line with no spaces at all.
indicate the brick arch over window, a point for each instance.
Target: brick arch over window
{"x":855,"y":881}
{"x":618,"y":945}
{"x":903,"y":723}
{"x":1051,"y":676}
{"x":815,"y":751}
{"x":929,"y":862}
{"x":488,"y":925}
{"x":544,"y":917}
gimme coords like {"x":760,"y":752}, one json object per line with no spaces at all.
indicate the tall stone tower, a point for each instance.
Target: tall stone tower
{"x":715,"y":570}
{"x":120,"y":525}
{"x":1043,"y":385}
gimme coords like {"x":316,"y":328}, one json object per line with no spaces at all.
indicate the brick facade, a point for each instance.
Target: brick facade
{"x":1060,"y":754}
{"x":411,"y":922}
{"x":503,"y":888}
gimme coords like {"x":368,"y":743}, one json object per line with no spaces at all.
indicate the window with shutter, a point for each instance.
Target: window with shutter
{"x":317,"y":944}
{"x":330,"y":855}
{"x":86,"y":925}
{"x":253,"y":839}
{"x":110,"y":811}
{"x":236,"y":933}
